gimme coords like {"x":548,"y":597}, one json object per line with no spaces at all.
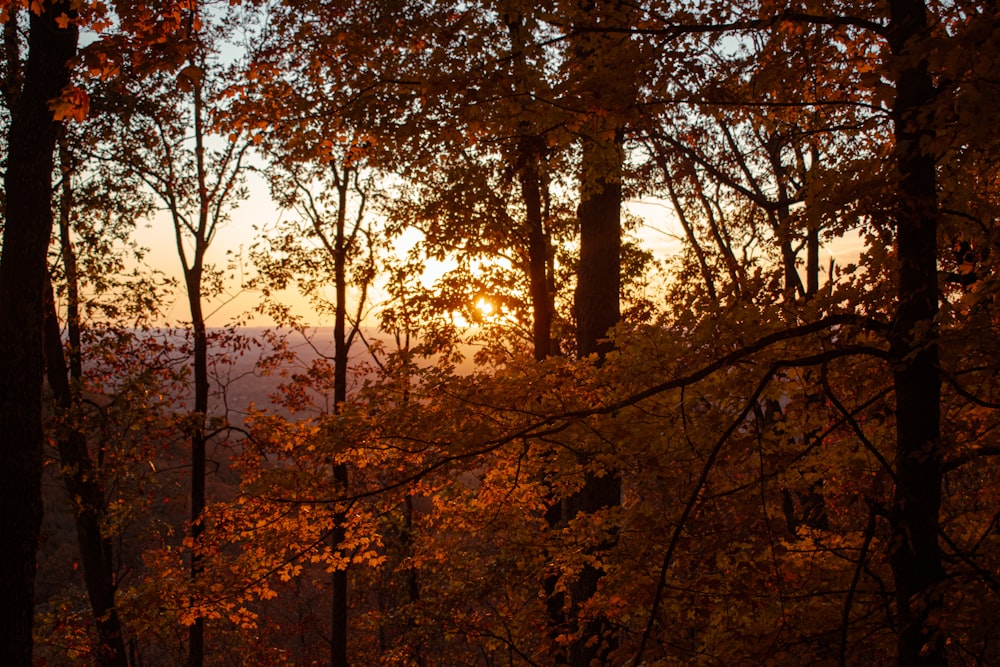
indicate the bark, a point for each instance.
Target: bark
{"x":27,"y":227}
{"x":609,"y":86}
{"x":11,"y":82}
{"x":812,"y":260}
{"x":527,"y":162}
{"x":598,"y":277}
{"x":914,"y":553}
{"x":812,"y":237}
{"x":722,"y":241}
{"x":706,"y":273}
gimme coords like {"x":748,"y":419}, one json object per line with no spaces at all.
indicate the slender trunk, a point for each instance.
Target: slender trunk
{"x":706,"y":273}
{"x":722,"y":241}
{"x":339,"y":607}
{"x":538,"y":252}
{"x":527,"y":161}
{"x":79,"y":474}
{"x":89,"y":508}
{"x":196,"y":633}
{"x":914,"y":553}
{"x":812,"y":234}
{"x":812,"y":260}
{"x":27,"y":228}
{"x":781,"y":223}
{"x":193,"y":275}
{"x":338,"y":635}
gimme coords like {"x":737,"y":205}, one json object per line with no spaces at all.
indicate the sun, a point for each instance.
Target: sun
{"x":484,"y":307}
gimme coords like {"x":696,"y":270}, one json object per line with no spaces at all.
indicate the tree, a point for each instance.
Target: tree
{"x":340,"y":239}
{"x":31,"y":141}
{"x":196,"y":185}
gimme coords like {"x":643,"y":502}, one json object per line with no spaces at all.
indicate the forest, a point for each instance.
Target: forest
{"x":487,"y":420}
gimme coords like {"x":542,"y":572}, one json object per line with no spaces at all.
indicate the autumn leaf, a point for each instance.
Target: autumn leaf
{"x":73,"y":103}
{"x":190,"y":78}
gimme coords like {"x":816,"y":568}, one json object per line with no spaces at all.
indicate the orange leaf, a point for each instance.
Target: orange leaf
{"x":73,"y":103}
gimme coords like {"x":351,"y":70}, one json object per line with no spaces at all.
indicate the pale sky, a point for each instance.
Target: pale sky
{"x":660,"y":231}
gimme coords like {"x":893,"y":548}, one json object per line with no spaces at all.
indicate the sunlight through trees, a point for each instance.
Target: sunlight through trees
{"x":494,"y":422}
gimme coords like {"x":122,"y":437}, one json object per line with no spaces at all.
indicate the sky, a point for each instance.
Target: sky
{"x":660,"y":232}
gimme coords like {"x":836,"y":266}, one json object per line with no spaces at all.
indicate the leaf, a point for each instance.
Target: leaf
{"x":73,"y":103}
{"x":190,"y":78}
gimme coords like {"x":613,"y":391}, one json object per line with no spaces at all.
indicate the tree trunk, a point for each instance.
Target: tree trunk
{"x":914,"y":554}
{"x":597,"y":311}
{"x":89,"y":507}
{"x":27,"y":228}
{"x":598,"y":276}
{"x":79,"y":474}
{"x":196,"y":633}
{"x":538,"y":251}
{"x":609,"y":86}
{"x":530,"y":148}
{"x":338,"y":635}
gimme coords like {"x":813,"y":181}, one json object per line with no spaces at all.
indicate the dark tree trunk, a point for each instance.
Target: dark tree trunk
{"x":27,"y":228}
{"x":706,"y":273}
{"x":79,"y":475}
{"x":538,"y":251}
{"x":606,"y":85}
{"x":527,"y":161}
{"x":914,"y":554}
{"x":597,"y":310}
{"x":338,"y":635}
{"x":339,"y":602}
{"x":598,"y":275}
{"x":196,"y":633}
{"x":89,"y":507}
{"x":812,"y":260}
{"x":193,"y":276}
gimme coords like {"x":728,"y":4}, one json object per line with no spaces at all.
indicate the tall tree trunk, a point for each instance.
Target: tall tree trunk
{"x":706,"y":273}
{"x":914,"y":553}
{"x":338,"y":636}
{"x":80,"y":476}
{"x":27,"y":228}
{"x":193,"y":276}
{"x":196,"y":633}
{"x":542,"y":304}
{"x":528,"y":159}
{"x":597,"y":311}
{"x":598,"y":280}
{"x":812,"y":259}
{"x":606,"y":85}
{"x":89,"y":507}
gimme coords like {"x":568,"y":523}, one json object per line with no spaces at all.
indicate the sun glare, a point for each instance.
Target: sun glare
{"x":484,"y":307}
